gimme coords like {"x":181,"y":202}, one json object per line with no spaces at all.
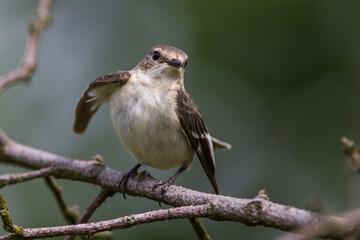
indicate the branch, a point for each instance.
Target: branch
{"x":28,"y":65}
{"x":70,"y":213}
{"x":252,"y":212}
{"x":352,"y":216}
{"x":199,"y":229}
{"x":118,"y":223}
{"x":6,"y":219}
{"x":351,"y":150}
{"x":13,"y":178}
{"x":98,"y":200}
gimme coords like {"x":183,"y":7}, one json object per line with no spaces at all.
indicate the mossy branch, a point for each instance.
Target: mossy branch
{"x":6,"y":219}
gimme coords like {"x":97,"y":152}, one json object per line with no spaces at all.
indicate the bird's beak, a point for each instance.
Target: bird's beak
{"x":174,"y":62}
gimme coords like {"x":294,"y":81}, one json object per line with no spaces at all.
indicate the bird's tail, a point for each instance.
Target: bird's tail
{"x":217,"y":144}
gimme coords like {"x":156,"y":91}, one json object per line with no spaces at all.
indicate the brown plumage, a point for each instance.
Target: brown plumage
{"x":194,"y":128}
{"x":153,"y":115}
{"x":88,"y":105}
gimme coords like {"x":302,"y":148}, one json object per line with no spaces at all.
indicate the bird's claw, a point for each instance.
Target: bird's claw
{"x":132,"y":173}
{"x":124,"y":181}
{"x":164,"y":187}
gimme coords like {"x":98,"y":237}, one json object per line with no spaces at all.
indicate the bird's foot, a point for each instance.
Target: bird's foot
{"x":163,"y":188}
{"x":165,"y":185}
{"x":132,"y":173}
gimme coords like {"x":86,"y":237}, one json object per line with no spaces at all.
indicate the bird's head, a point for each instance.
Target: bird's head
{"x":164,"y":61}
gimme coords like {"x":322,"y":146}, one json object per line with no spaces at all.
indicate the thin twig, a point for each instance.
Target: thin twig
{"x":199,"y":229}
{"x":98,"y":200}
{"x":70,"y":213}
{"x":351,"y":150}
{"x":118,"y":223}
{"x":13,"y":178}
{"x":28,"y":65}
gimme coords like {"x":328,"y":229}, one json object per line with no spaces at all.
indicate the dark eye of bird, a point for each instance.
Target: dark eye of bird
{"x":155,"y":55}
{"x":185,"y":63}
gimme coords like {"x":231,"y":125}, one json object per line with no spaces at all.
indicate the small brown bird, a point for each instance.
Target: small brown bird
{"x":153,"y":115}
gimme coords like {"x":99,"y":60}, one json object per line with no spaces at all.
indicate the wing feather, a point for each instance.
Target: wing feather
{"x":194,"y":128}
{"x":96,"y":94}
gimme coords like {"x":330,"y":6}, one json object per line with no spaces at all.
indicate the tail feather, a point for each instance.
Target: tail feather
{"x":217,"y":144}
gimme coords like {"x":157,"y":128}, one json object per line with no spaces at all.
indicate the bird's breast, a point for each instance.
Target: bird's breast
{"x":146,"y":122}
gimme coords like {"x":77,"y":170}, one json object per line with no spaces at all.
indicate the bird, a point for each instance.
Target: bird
{"x":154,"y":117}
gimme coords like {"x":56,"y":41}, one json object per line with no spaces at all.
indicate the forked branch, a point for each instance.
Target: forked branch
{"x":257,"y":211}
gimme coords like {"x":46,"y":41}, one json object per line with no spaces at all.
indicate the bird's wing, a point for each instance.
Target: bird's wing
{"x":96,"y":94}
{"x":194,"y":128}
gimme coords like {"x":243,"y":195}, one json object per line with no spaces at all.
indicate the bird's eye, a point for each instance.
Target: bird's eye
{"x":185,"y":63}
{"x":155,"y":55}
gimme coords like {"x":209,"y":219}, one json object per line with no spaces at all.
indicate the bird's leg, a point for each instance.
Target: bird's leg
{"x":125,"y":178}
{"x":165,"y":185}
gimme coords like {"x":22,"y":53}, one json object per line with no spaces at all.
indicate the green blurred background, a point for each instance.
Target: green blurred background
{"x":279,"y":80}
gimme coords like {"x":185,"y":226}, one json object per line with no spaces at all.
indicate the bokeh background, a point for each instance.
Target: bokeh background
{"x":279,"y":80}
